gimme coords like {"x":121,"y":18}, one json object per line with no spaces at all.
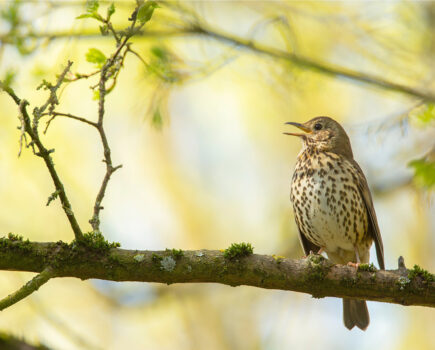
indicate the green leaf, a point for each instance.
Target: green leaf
{"x":96,"y":56}
{"x":110,"y":10}
{"x":104,"y":29}
{"x":89,"y":15}
{"x":145,"y":11}
{"x":92,"y":6}
{"x":96,"y":95}
{"x":9,"y":78}
{"x":424,"y":173}
{"x":91,"y":10}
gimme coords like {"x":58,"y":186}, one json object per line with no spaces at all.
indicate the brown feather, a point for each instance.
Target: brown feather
{"x":373,"y":221}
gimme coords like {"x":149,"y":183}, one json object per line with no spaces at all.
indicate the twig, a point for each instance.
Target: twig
{"x":78,"y":76}
{"x":32,"y":286}
{"x":52,"y":99}
{"x":67,"y":115}
{"x":104,"y":76}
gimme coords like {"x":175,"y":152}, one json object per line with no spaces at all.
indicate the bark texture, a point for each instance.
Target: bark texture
{"x":314,"y":275}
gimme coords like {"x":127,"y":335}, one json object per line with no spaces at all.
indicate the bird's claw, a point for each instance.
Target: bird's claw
{"x":355,"y":265}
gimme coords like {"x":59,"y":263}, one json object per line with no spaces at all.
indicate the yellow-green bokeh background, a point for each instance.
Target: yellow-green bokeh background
{"x":217,"y":172}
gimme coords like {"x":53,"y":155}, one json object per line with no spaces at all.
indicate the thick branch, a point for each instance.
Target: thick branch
{"x":314,"y":275}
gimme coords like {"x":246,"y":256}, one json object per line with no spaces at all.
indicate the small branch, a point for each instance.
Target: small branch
{"x":32,"y":286}
{"x":105,"y":74}
{"x":45,"y":154}
{"x":313,"y":275}
{"x":52,"y":99}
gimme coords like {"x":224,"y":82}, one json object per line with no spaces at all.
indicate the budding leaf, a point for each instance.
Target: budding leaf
{"x":145,"y":11}
{"x":110,"y":10}
{"x":92,"y":6}
{"x":157,"y":120}
{"x":96,"y":56}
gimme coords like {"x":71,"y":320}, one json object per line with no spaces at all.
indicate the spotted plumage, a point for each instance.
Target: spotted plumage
{"x":332,"y":204}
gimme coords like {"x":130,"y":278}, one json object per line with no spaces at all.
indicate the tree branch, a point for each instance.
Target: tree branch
{"x":300,"y":61}
{"x":32,"y":286}
{"x":308,"y":63}
{"x":314,"y":275}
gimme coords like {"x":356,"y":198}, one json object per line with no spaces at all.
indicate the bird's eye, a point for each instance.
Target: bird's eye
{"x":317,"y":126}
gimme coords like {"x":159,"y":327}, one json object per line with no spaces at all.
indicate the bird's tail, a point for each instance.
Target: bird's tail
{"x":355,"y":313}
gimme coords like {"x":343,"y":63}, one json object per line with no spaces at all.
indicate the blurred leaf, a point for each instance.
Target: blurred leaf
{"x":162,"y":64}
{"x":11,"y":14}
{"x":9,"y":78}
{"x":92,"y":6}
{"x":157,"y":120}
{"x":96,"y":56}
{"x":91,"y":9}
{"x":424,"y":114}
{"x":104,"y":29}
{"x":424,"y":172}
{"x":160,"y":52}
{"x":96,"y":95}
{"x":145,"y":11}
{"x":89,"y":15}
{"x":110,"y":10}
{"x":428,"y":114}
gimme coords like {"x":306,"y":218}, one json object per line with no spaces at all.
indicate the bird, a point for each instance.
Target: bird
{"x":332,"y":204}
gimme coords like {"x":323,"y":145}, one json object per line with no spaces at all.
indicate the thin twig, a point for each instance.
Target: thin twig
{"x":32,"y":286}
{"x":78,"y":76}
{"x":45,"y":154}
{"x":104,"y":76}
{"x":52,"y":99}
{"x":67,"y":115}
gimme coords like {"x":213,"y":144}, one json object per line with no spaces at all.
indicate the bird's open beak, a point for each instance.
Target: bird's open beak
{"x":300,"y":126}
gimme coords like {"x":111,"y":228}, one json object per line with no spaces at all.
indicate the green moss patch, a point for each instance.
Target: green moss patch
{"x":425,"y":275}
{"x":96,"y":241}
{"x":238,"y":250}
{"x":367,"y":267}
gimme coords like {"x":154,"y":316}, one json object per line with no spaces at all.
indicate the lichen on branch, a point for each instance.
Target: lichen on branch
{"x":314,"y":275}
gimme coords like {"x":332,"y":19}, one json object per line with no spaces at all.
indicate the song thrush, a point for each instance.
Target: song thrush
{"x":332,"y":204}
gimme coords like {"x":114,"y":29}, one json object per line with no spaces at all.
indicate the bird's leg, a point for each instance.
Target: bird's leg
{"x":358,"y":261}
{"x":319,"y":252}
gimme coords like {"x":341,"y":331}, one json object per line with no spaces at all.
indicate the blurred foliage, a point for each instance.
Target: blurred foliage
{"x":424,"y":173}
{"x":425,"y":114}
{"x":8,"y":342}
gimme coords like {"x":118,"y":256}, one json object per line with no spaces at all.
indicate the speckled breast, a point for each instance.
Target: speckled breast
{"x":328,"y":207}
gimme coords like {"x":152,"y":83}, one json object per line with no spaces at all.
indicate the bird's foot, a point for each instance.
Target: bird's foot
{"x":355,"y":265}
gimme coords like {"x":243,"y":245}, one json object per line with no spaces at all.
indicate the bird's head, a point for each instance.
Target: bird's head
{"x":325,"y":135}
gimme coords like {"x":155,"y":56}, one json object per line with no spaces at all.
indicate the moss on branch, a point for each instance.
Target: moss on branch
{"x":314,"y":275}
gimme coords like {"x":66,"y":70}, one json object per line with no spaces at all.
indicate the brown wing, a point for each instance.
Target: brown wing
{"x":373,"y":221}
{"x":307,"y":245}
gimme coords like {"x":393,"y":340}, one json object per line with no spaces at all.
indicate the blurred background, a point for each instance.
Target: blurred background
{"x":197,"y":123}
